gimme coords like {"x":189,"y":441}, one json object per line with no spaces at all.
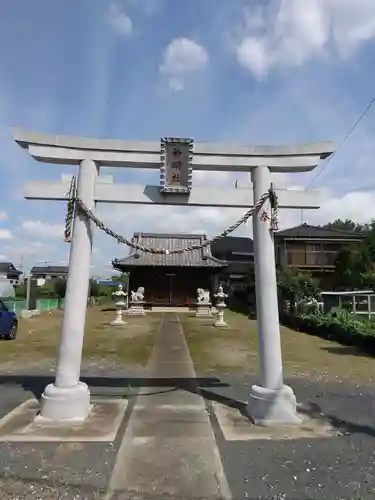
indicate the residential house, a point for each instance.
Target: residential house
{"x":313,"y":249}
{"x":238,"y":276}
{"x":48,"y":273}
{"x":10,"y":273}
{"x":239,"y":254}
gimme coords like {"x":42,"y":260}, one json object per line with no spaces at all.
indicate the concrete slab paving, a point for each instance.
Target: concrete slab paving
{"x":169,"y":449}
{"x":101,"y":426}
{"x":236,"y":426}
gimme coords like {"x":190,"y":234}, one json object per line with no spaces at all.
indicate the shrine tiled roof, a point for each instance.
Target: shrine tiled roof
{"x":195,"y":258}
{"x":239,"y":268}
{"x":316,"y":232}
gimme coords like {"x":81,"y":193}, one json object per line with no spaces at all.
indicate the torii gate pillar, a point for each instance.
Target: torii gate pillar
{"x":271,"y":402}
{"x":68,"y":398}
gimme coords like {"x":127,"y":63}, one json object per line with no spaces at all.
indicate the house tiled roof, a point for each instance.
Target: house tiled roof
{"x":194,"y":258}
{"x":233,"y":244}
{"x":50,"y":270}
{"x":8,"y":267}
{"x":306,"y":231}
{"x":240,"y":268}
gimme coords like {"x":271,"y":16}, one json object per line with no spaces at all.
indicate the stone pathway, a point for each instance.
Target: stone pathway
{"x":169,"y":449}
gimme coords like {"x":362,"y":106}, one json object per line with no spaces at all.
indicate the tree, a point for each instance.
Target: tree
{"x":354,"y":263}
{"x":20,"y":290}
{"x":295,"y":286}
{"x":94,"y":289}
{"x":368,"y":280}
{"x":59,"y":287}
{"x":47,"y":290}
{"x":123,"y":279}
{"x":346,"y":225}
{"x":351,"y":263}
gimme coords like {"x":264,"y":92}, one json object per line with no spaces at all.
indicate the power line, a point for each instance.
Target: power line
{"x":354,"y":126}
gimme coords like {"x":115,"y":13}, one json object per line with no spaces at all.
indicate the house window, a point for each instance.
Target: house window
{"x":313,"y":247}
{"x":332,"y":247}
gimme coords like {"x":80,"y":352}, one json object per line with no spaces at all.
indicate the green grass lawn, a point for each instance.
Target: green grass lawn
{"x":236,"y":350}
{"x":39,"y":337}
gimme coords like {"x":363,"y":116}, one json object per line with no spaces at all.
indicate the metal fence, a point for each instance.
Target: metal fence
{"x":41,"y":304}
{"x":48,"y":304}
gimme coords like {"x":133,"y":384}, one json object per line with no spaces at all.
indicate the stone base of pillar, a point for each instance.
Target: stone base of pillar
{"x":220,"y":323}
{"x":118,"y":322}
{"x":136,"y":309}
{"x":203,"y":311}
{"x":269,"y":407}
{"x":64,"y":404}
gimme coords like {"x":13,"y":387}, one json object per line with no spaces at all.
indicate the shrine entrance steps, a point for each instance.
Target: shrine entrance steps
{"x":171,"y":309}
{"x":176,"y":309}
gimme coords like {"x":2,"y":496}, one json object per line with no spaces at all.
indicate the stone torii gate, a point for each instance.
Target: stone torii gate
{"x":68,"y":399}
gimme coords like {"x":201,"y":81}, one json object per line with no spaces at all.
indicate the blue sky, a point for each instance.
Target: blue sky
{"x":270,"y":71}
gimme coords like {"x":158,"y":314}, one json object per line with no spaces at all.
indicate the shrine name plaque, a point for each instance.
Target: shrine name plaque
{"x":176,"y":169}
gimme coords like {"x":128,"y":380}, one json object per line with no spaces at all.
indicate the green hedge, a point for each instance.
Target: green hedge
{"x":341,"y":327}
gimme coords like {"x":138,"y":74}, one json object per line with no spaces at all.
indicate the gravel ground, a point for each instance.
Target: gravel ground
{"x":13,"y":489}
{"x":53,"y":471}
{"x":333,"y":468}
{"x":322,"y":469}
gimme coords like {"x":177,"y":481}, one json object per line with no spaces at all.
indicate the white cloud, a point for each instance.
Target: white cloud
{"x":347,"y":206}
{"x":3,"y":215}
{"x":182,"y":57}
{"x":41,"y":229}
{"x":357,"y":205}
{"x":295,"y":31}
{"x":26,"y":253}
{"x":119,"y":20}
{"x":253,"y":55}
{"x":5,"y":234}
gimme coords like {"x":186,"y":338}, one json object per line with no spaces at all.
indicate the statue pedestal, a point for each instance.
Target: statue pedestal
{"x":136,"y":308}
{"x":118,"y":321}
{"x":220,"y":306}
{"x":220,"y":323}
{"x":203,"y":311}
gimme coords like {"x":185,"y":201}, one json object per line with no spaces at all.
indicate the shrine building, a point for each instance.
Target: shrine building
{"x":171,"y":279}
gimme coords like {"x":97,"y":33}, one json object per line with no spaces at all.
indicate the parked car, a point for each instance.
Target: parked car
{"x":8,"y":323}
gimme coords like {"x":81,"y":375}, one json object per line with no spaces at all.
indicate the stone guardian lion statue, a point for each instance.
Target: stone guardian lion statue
{"x":203,"y":296}
{"x":138,"y":296}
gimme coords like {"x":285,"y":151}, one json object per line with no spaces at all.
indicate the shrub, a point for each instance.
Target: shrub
{"x":59,"y":288}
{"x":341,"y":326}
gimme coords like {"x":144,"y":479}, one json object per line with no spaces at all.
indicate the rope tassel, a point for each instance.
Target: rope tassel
{"x":274,"y":222}
{"x":69,"y":219}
